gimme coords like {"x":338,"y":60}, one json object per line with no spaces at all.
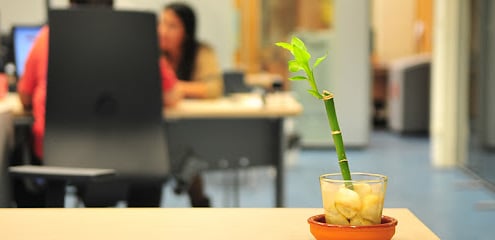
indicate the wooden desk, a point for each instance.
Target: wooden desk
{"x":231,"y":223}
{"x":238,"y":106}
{"x":235,"y":132}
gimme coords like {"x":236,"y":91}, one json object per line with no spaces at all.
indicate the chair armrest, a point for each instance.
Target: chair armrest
{"x":61,"y":173}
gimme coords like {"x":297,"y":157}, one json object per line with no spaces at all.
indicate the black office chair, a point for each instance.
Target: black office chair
{"x":104,"y":99}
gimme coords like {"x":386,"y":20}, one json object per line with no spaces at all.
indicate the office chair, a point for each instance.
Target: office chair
{"x":104,"y":99}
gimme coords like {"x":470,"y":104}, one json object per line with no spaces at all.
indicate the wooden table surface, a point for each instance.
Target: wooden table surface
{"x":178,"y":223}
{"x":236,"y":106}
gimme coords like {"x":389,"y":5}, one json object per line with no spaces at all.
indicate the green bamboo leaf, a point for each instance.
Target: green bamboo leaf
{"x":301,"y":56}
{"x":298,"y":78}
{"x":285,"y":45}
{"x":295,"y":66}
{"x":299,"y":43}
{"x":315,"y":93}
{"x":319,"y":60}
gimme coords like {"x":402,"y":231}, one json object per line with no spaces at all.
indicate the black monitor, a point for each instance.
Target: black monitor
{"x":23,"y":38}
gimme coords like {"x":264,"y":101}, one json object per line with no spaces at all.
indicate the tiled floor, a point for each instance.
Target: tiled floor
{"x":444,"y":199}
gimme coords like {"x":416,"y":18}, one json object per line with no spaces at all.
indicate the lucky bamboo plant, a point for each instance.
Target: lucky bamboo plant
{"x":301,"y":62}
{"x":354,"y":203}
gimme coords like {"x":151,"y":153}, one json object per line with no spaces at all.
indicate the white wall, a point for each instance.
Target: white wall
{"x":351,"y":69}
{"x":216,"y":19}
{"x":29,"y":12}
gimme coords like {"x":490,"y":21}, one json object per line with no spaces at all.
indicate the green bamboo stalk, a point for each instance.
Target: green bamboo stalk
{"x":337,"y":136}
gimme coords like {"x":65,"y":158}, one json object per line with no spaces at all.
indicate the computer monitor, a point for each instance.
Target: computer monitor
{"x":23,"y":38}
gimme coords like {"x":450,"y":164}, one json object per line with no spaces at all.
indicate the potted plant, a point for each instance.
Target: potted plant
{"x":353,"y":202}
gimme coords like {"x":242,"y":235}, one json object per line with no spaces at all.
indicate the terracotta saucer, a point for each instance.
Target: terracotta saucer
{"x":323,"y":231}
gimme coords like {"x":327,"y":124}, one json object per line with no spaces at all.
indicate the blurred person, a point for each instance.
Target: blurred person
{"x":195,"y":63}
{"x":196,"y":66}
{"x":32,"y":92}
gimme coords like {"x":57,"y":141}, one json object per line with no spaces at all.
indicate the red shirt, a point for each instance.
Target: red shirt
{"x":33,"y":83}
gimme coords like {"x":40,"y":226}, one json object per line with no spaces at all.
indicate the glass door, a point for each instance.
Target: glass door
{"x":481,"y":158}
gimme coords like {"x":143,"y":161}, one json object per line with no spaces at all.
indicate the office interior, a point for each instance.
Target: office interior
{"x":413,"y":83}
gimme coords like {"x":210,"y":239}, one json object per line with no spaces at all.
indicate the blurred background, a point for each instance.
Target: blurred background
{"x":414,"y":92}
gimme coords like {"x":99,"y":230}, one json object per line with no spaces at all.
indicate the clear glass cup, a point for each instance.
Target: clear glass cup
{"x":358,"y":202}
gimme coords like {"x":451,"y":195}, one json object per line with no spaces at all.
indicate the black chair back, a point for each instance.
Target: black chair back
{"x":104,"y":97}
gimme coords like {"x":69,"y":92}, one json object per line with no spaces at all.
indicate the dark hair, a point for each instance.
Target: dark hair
{"x":99,"y":3}
{"x":189,"y":47}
